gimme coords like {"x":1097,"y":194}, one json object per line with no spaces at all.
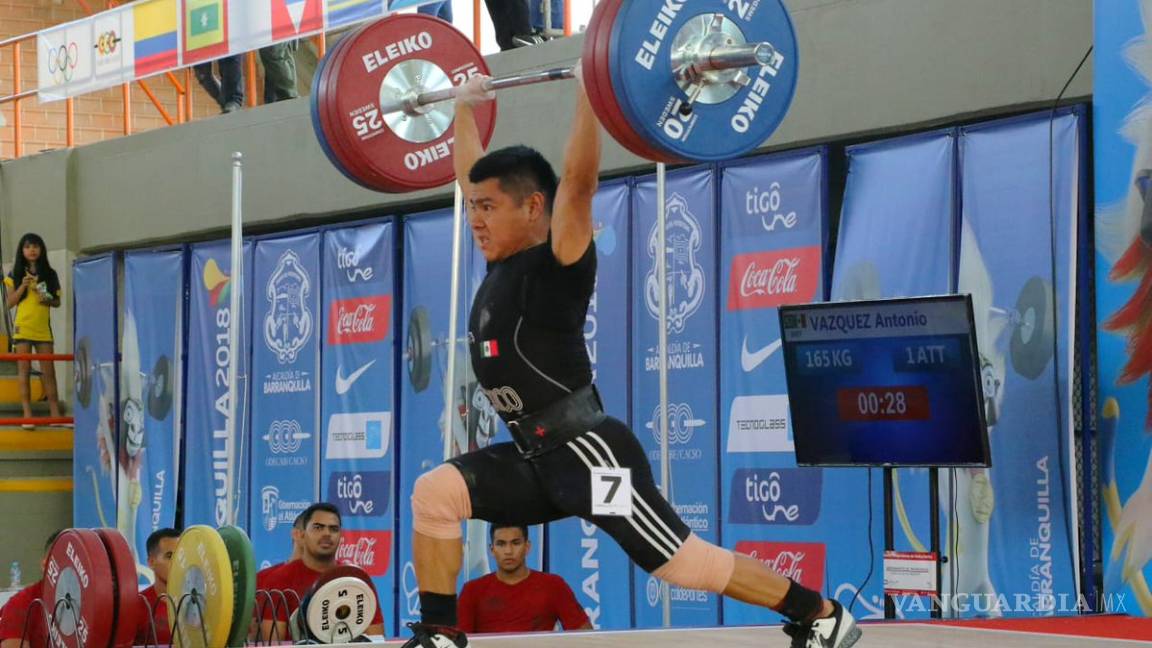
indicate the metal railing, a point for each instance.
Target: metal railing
{"x":179,"y":80}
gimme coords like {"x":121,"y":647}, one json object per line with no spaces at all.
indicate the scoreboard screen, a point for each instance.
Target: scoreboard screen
{"x":891,"y":382}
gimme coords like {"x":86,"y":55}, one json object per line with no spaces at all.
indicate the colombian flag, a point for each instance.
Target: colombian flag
{"x":154,"y":46}
{"x":347,"y":12}
{"x":205,"y":30}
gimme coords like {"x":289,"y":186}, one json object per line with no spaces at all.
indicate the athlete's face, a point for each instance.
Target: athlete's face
{"x":503,"y":224}
{"x":322,"y":536}
{"x":161,"y":562}
{"x":509,"y":547}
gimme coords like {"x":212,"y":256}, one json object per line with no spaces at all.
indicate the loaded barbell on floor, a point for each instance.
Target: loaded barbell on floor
{"x":668,"y":83}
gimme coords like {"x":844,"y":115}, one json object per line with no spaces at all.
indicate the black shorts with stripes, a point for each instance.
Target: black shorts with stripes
{"x":506,"y":488}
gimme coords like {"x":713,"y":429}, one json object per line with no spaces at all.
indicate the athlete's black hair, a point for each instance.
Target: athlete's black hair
{"x":495,"y":526}
{"x":152,"y":545}
{"x":521,"y":171}
{"x":43,"y":269}
{"x":306,"y":516}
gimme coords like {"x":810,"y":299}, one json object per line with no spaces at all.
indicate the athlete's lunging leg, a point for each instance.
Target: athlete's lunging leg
{"x":527,"y":348}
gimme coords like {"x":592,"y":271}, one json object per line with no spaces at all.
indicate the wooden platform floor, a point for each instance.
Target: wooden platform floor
{"x":901,"y":635}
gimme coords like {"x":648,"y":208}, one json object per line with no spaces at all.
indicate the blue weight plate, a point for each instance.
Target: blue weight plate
{"x":650,"y":98}
{"x":318,"y":85}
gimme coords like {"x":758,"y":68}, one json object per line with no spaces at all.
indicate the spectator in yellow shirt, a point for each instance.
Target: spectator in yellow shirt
{"x":33,"y":289}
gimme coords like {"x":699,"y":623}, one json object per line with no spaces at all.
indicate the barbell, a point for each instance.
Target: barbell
{"x":671,"y":81}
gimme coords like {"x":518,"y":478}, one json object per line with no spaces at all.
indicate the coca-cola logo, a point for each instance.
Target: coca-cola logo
{"x":361,"y":319}
{"x":770,"y":279}
{"x":368,"y":550}
{"x":803,"y":562}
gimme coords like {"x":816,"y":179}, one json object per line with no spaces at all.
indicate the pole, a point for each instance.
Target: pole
{"x":234,"y":317}
{"x":453,"y":310}
{"x":662,"y":351}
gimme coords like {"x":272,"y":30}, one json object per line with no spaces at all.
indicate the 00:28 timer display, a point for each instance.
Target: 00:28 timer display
{"x":880,"y":402}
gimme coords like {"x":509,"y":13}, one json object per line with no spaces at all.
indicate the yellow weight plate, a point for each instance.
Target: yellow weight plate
{"x":200,"y":583}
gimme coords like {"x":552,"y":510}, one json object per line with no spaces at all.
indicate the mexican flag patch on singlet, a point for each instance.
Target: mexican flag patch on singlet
{"x":489,"y":349}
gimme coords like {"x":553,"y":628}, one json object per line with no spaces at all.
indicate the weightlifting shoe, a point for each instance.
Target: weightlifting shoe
{"x":836,"y":631}
{"x":427,"y":635}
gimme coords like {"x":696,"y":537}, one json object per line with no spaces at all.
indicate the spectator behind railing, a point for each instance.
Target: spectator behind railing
{"x":33,"y":290}
{"x":514,"y":598}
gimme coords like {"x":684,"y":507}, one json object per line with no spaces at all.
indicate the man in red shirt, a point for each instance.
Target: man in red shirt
{"x":318,"y":544}
{"x":514,"y":598}
{"x":19,"y":608}
{"x":160,"y":546}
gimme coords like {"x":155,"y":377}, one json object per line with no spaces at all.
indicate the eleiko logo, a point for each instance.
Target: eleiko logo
{"x":803,"y":562}
{"x":770,"y":279}
{"x":361,"y":494}
{"x":365,"y":435}
{"x":775,"y":496}
{"x":359,"y":319}
{"x":368,"y":550}
{"x":759,"y":424}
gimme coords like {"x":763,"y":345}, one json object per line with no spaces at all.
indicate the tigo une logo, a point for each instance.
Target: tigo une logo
{"x":775,"y":496}
{"x":361,"y":494}
{"x":364,"y":435}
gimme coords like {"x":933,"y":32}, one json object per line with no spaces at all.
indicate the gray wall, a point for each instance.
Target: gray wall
{"x":868,"y":67}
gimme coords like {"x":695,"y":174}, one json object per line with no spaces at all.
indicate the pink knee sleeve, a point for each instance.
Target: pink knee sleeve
{"x":440,"y":502}
{"x":699,"y":565}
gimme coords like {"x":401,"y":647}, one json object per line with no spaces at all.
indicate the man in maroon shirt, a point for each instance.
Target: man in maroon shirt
{"x":19,"y":608}
{"x":160,"y":546}
{"x":514,"y":598}
{"x":318,"y":544}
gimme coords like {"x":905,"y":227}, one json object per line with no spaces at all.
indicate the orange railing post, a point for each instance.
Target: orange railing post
{"x":155,"y":101}
{"x":126,"y":96}
{"x":250,"y":78}
{"x":69,"y":122}
{"x":321,"y":45}
{"x":188,"y":93}
{"x":476,"y":23}
{"x":567,"y":17}
{"x":19,"y":139}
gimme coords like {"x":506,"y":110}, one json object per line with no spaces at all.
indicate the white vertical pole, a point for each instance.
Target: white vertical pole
{"x":453,"y":310}
{"x":234,"y":317}
{"x":662,"y":351}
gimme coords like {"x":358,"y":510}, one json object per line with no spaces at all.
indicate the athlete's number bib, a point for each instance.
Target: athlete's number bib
{"x":612,"y":491}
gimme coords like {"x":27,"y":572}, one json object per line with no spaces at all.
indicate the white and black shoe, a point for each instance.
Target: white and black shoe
{"x":426,"y":635}
{"x":837,"y":631}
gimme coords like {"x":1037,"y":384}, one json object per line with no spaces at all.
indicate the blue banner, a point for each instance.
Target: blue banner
{"x":802,"y":522}
{"x":151,"y":372}
{"x":95,"y":406}
{"x":600,"y":578}
{"x":359,"y":465}
{"x":1015,"y":522}
{"x":899,"y":244}
{"x":286,"y":329}
{"x":1123,"y":160}
{"x":690,"y":254}
{"x":206,"y":443}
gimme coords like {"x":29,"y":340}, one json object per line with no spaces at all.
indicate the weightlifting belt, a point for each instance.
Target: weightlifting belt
{"x":558,"y":423}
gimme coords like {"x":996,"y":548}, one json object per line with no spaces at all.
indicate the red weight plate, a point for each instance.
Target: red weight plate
{"x":592,"y":75}
{"x":610,"y":111}
{"x":423,"y":45}
{"x":353,"y":165}
{"x":124,"y":586}
{"x":78,"y":588}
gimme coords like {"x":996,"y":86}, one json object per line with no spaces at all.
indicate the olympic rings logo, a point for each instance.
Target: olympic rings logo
{"x":107,"y":43}
{"x":62,"y":62}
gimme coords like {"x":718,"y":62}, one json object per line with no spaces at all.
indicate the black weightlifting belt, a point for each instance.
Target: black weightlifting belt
{"x":558,"y":423}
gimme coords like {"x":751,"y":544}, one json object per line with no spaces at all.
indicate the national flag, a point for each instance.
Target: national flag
{"x":205,"y":30}
{"x":293,"y":18}
{"x":347,"y":12}
{"x":490,"y":349}
{"x":155,"y":43}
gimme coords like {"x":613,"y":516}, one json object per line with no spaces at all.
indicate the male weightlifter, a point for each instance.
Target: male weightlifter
{"x":526,"y":339}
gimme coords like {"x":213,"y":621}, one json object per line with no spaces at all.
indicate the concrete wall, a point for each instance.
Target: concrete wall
{"x":868,"y":68}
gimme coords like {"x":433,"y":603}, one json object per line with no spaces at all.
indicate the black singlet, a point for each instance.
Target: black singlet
{"x":526,"y":329}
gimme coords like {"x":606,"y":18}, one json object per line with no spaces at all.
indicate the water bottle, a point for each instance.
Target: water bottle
{"x":15,"y":575}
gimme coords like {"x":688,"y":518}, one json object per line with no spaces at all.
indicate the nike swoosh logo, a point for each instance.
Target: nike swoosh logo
{"x":751,"y":360}
{"x":344,"y":384}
